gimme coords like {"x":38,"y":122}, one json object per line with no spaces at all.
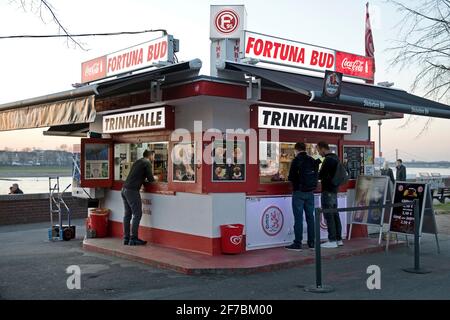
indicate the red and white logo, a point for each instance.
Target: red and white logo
{"x":272,"y":221}
{"x":236,"y":240}
{"x":354,"y":65}
{"x":226,"y":21}
{"x":93,"y":69}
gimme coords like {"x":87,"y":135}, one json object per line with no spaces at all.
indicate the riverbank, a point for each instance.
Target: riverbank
{"x":33,"y":171}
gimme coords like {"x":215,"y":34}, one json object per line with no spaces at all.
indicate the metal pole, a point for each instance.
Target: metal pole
{"x":318,"y":288}
{"x":379,"y":140}
{"x":416,"y":268}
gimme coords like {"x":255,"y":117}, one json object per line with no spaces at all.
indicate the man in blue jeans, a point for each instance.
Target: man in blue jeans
{"x":303,"y":175}
{"x":139,"y":173}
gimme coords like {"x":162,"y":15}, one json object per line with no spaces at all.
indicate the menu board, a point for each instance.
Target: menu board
{"x":183,"y":157}
{"x":370,"y":191}
{"x":229,"y":161}
{"x":354,"y":159}
{"x":96,"y":165}
{"x":402,"y":218}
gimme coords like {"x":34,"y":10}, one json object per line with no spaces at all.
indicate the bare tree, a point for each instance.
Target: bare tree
{"x":424,"y":42}
{"x":46,"y":12}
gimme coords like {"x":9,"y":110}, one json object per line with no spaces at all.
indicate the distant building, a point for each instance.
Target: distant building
{"x":36,"y":158}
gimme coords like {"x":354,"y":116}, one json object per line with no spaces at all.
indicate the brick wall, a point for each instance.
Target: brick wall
{"x":31,"y":208}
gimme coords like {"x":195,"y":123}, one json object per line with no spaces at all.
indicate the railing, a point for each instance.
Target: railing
{"x":319,"y":287}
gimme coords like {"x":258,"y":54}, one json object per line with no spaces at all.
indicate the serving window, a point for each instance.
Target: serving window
{"x":125,"y":154}
{"x":275,"y":159}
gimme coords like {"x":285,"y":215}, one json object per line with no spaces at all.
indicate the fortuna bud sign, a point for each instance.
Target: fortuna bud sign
{"x":291,"y":119}
{"x":133,"y":58}
{"x":305,"y":56}
{"x":286,"y":52}
{"x":149,"y":119}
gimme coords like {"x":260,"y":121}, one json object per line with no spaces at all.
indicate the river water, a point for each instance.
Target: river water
{"x":40,"y":185}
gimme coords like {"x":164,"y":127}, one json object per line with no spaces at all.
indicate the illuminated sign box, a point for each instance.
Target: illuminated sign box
{"x":305,"y":120}
{"x":301,"y":55}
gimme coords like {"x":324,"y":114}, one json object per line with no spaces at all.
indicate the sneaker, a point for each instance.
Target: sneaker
{"x":294,"y":247}
{"x":329,"y":245}
{"x":311,"y":246}
{"x":137,"y":242}
{"x":126,"y":241}
{"x":340,"y":243}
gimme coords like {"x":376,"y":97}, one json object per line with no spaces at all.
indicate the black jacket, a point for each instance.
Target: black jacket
{"x":388,"y":172}
{"x":140,"y":171}
{"x":400,"y":173}
{"x":327,"y":172}
{"x":296,"y":167}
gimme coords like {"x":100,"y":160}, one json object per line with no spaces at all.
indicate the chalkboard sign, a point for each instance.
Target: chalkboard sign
{"x":402,"y":218}
{"x":354,"y":160}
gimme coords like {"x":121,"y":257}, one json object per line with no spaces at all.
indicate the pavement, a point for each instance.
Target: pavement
{"x":31,"y":267}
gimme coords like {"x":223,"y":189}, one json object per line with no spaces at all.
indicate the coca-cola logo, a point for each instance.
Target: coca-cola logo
{"x":93,"y":69}
{"x":355,"y":65}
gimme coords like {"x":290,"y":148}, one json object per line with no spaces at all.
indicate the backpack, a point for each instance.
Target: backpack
{"x":308,"y":175}
{"x":340,"y":175}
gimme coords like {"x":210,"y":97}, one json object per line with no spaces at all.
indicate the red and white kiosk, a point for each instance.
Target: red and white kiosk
{"x":141,"y":98}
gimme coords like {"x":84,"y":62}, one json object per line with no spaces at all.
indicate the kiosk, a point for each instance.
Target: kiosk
{"x":245,"y":117}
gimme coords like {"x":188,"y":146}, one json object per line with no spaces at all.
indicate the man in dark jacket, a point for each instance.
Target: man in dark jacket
{"x":140,"y":171}
{"x":400,"y":173}
{"x":329,"y":195}
{"x":303,"y":176}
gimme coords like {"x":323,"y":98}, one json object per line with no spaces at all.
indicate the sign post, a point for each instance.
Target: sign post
{"x":403,"y":220}
{"x":319,"y":287}
{"x":370,"y":191}
{"x":416,"y":268}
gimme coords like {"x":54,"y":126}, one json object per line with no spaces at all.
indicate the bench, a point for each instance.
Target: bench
{"x":441,"y":194}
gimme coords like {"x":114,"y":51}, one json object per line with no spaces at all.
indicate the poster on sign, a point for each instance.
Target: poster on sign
{"x":402,"y":218}
{"x":270,"y":221}
{"x":370,"y":191}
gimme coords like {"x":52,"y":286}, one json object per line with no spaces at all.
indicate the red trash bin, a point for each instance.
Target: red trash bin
{"x":98,"y":221}
{"x":232,"y":238}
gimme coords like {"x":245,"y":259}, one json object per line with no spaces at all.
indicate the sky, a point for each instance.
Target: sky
{"x":32,"y":68}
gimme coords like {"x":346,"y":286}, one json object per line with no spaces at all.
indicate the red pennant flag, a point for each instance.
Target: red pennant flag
{"x":370,"y":49}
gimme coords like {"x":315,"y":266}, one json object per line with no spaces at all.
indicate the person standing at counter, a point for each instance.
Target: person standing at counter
{"x":303,"y":174}
{"x":400,"y":171}
{"x":329,"y":195}
{"x":140,"y":171}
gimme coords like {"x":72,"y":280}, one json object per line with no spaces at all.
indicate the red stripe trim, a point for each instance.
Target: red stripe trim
{"x":172,"y":239}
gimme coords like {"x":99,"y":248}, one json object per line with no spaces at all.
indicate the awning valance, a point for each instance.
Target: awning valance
{"x":77,"y":106}
{"x":70,"y":111}
{"x":352,"y":94}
